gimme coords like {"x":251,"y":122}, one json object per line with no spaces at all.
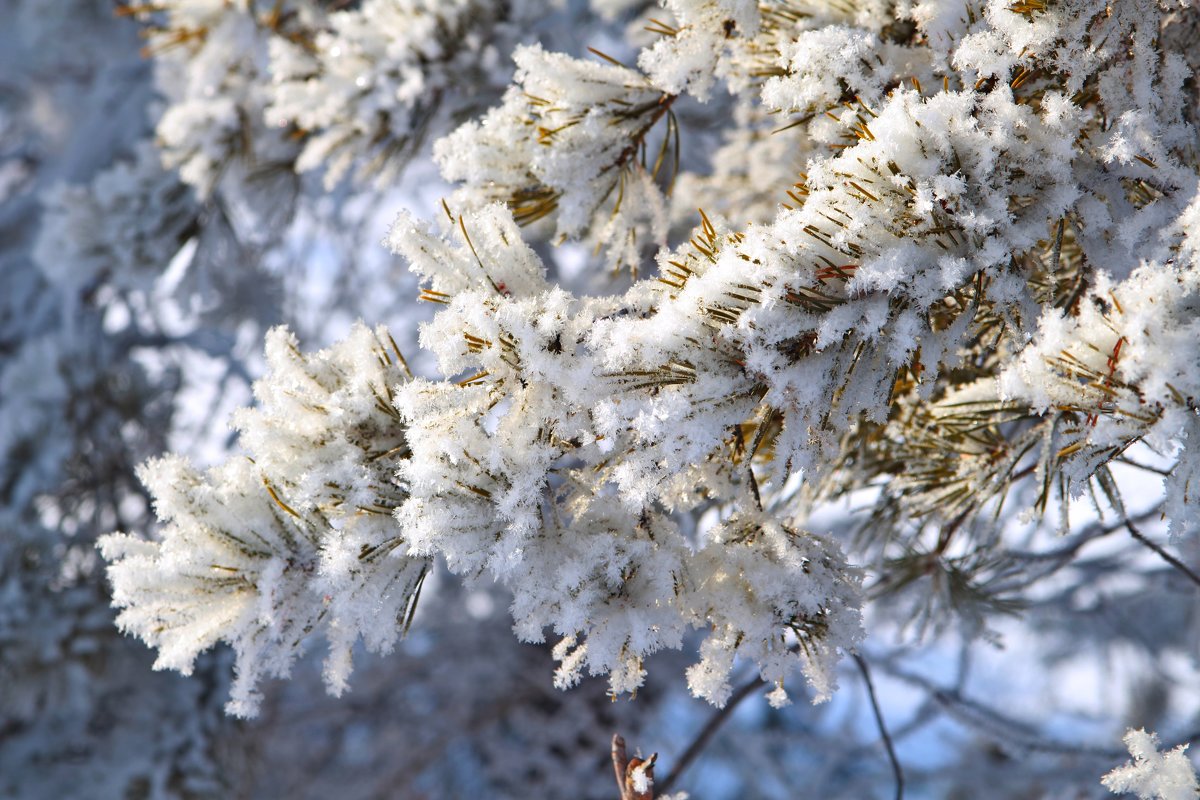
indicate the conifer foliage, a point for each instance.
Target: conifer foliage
{"x":940,"y":258}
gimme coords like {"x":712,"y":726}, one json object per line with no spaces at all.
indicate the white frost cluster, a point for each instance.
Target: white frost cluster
{"x":366,"y":88}
{"x":256,"y":90}
{"x":123,"y":228}
{"x":211,"y":68}
{"x":1153,"y":775}
{"x":499,"y":480}
{"x":570,"y":139}
{"x":1118,"y":361}
{"x":620,"y":462}
{"x":264,"y":550}
{"x":689,"y":59}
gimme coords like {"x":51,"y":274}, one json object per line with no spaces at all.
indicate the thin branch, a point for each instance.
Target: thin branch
{"x":1163,"y":554}
{"x":994,"y":724}
{"x":1126,"y":460}
{"x":759,"y":433}
{"x":883,"y":731}
{"x":620,"y":761}
{"x":631,"y":772}
{"x":1054,"y":560}
{"x":1056,"y":253}
{"x":706,"y":733}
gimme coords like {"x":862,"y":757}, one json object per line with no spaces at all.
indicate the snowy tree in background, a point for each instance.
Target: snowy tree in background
{"x":765,"y":349}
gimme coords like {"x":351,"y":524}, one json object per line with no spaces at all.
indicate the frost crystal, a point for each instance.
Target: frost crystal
{"x":1153,"y":775}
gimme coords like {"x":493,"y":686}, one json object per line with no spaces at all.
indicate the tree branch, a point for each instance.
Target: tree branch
{"x":632,"y":772}
{"x":620,"y":760}
{"x":883,"y":731}
{"x":706,"y":733}
{"x":994,"y":724}
{"x":1163,"y":554}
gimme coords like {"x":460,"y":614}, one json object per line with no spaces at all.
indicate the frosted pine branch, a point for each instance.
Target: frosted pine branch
{"x":973,"y":283}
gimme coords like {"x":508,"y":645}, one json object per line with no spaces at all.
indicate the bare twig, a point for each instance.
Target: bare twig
{"x":706,"y":733}
{"x":883,"y":731}
{"x":632,"y":772}
{"x":1049,"y":562}
{"x":995,"y":724}
{"x":1163,"y":554}
{"x":1056,"y":253}
{"x":620,"y":761}
{"x":1126,"y":460}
